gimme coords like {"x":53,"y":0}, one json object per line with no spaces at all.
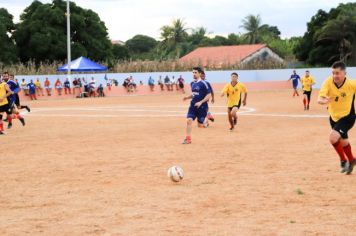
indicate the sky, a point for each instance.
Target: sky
{"x":126,"y":18}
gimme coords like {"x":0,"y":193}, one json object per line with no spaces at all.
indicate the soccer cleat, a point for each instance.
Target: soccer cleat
{"x":210,"y":117}
{"x":22,"y":120}
{"x":9,"y":125}
{"x":231,"y":129}
{"x":28,"y":109}
{"x":351,"y":167}
{"x":2,"y":132}
{"x":6,"y":120}
{"x":187,"y":141}
{"x":344,"y":166}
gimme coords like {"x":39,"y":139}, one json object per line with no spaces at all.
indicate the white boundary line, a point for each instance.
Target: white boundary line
{"x":247,"y":111}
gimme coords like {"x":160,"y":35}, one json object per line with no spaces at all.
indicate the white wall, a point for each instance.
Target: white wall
{"x":320,"y":75}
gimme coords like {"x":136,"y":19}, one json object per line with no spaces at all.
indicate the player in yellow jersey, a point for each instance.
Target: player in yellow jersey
{"x":307,"y":82}
{"x":233,"y":91}
{"x":5,"y":91}
{"x":338,"y":93}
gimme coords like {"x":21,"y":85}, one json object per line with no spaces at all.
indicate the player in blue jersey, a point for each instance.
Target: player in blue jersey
{"x":295,"y":79}
{"x":198,"y":108}
{"x":12,"y":99}
{"x":209,"y":116}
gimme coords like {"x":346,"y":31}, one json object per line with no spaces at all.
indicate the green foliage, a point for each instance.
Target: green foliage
{"x":120,"y":52}
{"x":330,"y":37}
{"x":41,"y":34}
{"x":8,"y":53}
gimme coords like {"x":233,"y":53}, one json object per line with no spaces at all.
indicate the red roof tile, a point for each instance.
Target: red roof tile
{"x":222,"y":54}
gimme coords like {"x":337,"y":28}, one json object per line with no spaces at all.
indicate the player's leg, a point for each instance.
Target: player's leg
{"x":202,"y":113}
{"x":234,"y":111}
{"x":229,"y":116}
{"x":305,"y":100}
{"x":1,"y":125}
{"x":308,"y":101}
{"x":191,"y":116}
{"x":339,"y":139}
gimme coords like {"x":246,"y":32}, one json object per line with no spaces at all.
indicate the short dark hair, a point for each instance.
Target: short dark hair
{"x":198,"y":69}
{"x":234,"y":73}
{"x":339,"y":65}
{"x":203,"y":72}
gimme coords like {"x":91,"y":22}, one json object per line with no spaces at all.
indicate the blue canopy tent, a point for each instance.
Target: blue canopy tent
{"x":82,"y":64}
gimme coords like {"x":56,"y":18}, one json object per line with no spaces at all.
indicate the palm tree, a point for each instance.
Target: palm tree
{"x":173,"y":35}
{"x":252,"y":25}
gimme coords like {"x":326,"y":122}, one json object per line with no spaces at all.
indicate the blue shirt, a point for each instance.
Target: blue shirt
{"x":295,"y":79}
{"x":151,"y":81}
{"x":209,"y":85}
{"x":199,"y":91}
{"x":14,"y":88}
{"x":31,"y":88}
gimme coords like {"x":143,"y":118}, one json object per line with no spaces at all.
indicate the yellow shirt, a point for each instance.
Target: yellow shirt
{"x":38,"y":84}
{"x":307,"y":83}
{"x":3,"y":93}
{"x":342,"y":99}
{"x":234,"y":93}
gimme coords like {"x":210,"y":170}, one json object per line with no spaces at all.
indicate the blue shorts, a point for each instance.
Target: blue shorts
{"x":295,"y":85}
{"x":198,"y":113}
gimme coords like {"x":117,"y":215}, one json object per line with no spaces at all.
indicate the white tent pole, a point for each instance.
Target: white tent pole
{"x":68,"y":42}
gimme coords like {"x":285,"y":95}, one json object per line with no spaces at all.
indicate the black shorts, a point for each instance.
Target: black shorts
{"x":343,"y":125}
{"x":6,"y":108}
{"x":181,"y":86}
{"x":308,"y":93}
{"x":17,"y":101}
{"x":238,"y":106}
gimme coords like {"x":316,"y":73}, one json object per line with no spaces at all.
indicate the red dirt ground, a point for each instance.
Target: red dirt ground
{"x":98,"y":167}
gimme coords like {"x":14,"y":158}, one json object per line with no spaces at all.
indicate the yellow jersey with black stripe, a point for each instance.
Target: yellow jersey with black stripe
{"x":307,"y":83}
{"x":3,"y":93}
{"x":342,"y":97}
{"x":234,"y":93}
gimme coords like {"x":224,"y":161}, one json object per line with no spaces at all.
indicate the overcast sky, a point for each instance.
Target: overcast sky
{"x":126,"y":18}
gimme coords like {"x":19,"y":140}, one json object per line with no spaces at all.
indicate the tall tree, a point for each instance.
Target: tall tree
{"x":8,"y":53}
{"x":41,"y":34}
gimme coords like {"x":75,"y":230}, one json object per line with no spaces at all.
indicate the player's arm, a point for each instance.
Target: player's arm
{"x":205,"y":99}
{"x":212,"y":96}
{"x":244,"y":101}
{"x":324,"y":98}
{"x":187,"y":97}
{"x":224,"y":91}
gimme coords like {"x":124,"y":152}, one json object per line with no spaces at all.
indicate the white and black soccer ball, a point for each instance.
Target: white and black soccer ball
{"x":175,"y":173}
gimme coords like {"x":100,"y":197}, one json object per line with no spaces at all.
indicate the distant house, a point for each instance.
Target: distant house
{"x":223,"y":55}
{"x":117,"y":42}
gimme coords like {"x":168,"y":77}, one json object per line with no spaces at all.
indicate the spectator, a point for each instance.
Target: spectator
{"x":48,"y":87}
{"x":160,"y":83}
{"x":24,"y":87}
{"x":174,"y":83}
{"x":67,"y":87}
{"x":126,"y":84}
{"x":151,"y":83}
{"x":59,"y":86}
{"x":132,"y":85}
{"x":32,"y":90}
{"x":39,"y":89}
{"x":181,"y":83}
{"x":92,"y":87}
{"x":100,"y":91}
{"x":109,"y":84}
{"x":167,"y":82}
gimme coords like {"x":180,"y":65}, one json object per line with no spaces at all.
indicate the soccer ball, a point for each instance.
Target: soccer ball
{"x":175,"y":173}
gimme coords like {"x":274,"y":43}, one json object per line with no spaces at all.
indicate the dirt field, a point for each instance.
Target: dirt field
{"x":98,"y":167}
